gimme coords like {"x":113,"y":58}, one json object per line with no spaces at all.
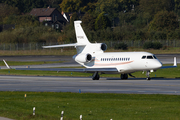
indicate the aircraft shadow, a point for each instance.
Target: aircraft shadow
{"x":153,"y":78}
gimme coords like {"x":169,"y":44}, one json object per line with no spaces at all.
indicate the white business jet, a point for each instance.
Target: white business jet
{"x":95,"y":60}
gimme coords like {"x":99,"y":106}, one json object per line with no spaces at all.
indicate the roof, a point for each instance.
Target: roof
{"x":42,"y":11}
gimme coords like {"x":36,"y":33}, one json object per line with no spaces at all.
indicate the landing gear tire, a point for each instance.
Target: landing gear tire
{"x":147,"y":74}
{"x":96,"y":76}
{"x":124,"y":76}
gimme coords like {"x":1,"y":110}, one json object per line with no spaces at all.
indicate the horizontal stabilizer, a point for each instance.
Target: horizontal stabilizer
{"x":64,"y":45}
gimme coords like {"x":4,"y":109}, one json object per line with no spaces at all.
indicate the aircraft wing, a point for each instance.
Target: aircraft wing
{"x":175,"y":65}
{"x":163,"y":67}
{"x":88,"y":70}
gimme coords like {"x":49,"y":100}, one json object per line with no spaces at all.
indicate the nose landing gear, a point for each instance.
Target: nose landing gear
{"x":147,"y":74}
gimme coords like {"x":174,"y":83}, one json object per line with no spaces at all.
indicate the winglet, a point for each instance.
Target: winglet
{"x":175,"y":62}
{"x":175,"y":65}
{"x":6,"y":64}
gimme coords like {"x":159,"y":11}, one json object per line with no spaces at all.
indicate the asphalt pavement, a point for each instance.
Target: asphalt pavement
{"x":87,"y":85}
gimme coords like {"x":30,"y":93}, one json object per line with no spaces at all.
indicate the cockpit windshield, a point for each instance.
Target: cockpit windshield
{"x":149,"y":57}
{"x":143,"y":57}
{"x":154,"y":57}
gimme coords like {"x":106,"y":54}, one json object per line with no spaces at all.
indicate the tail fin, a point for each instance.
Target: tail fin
{"x":80,"y":35}
{"x":82,"y":40}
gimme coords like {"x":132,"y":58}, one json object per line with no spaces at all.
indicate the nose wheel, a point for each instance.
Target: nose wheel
{"x":147,"y":74}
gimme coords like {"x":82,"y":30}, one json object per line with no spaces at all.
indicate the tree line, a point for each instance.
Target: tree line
{"x":104,"y":20}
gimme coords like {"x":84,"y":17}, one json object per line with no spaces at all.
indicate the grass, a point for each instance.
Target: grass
{"x":14,"y":63}
{"x":38,"y":52}
{"x":91,"y":106}
{"x":72,"y":51}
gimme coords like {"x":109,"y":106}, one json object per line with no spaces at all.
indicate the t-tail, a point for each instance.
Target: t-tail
{"x":85,"y":50}
{"x":80,"y":35}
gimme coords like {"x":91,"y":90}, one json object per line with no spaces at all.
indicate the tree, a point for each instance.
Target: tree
{"x":177,"y":6}
{"x":164,"y":20}
{"x":26,"y":6}
{"x":102,"y":22}
{"x":110,"y":7}
{"x":70,"y":5}
{"x":88,"y":21}
{"x":54,"y":3}
{"x":90,"y":7}
{"x":78,"y":5}
{"x":154,"y":6}
{"x":7,"y":10}
{"x":113,"y":7}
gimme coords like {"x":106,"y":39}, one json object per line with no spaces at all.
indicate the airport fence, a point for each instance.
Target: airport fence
{"x":110,"y":44}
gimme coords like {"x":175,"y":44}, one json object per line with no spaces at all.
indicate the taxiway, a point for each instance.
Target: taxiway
{"x":84,"y":85}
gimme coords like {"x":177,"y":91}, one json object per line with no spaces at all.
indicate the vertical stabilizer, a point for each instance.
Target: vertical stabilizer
{"x":80,"y":35}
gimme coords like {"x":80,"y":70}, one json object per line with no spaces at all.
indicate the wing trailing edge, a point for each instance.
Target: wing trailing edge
{"x":73,"y":69}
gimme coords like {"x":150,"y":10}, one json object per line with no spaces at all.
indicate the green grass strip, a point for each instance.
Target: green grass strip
{"x":91,"y":106}
{"x":14,"y":63}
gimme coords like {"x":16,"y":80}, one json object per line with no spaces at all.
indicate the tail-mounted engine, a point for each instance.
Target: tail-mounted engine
{"x":103,"y":46}
{"x":83,"y":57}
{"x":98,"y":47}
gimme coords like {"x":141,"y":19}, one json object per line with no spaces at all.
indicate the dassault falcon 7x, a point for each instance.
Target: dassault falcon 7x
{"x":95,"y":60}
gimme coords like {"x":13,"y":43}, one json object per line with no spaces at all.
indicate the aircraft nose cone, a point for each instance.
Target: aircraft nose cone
{"x":159,"y":65}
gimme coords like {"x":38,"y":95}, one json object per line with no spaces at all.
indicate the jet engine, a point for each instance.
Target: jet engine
{"x":83,"y":57}
{"x":98,"y":47}
{"x":103,"y":46}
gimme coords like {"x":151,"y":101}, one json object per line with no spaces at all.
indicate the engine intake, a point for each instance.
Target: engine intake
{"x":103,"y":46}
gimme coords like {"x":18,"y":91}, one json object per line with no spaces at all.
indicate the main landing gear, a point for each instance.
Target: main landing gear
{"x":124,"y":76}
{"x":96,"y":76}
